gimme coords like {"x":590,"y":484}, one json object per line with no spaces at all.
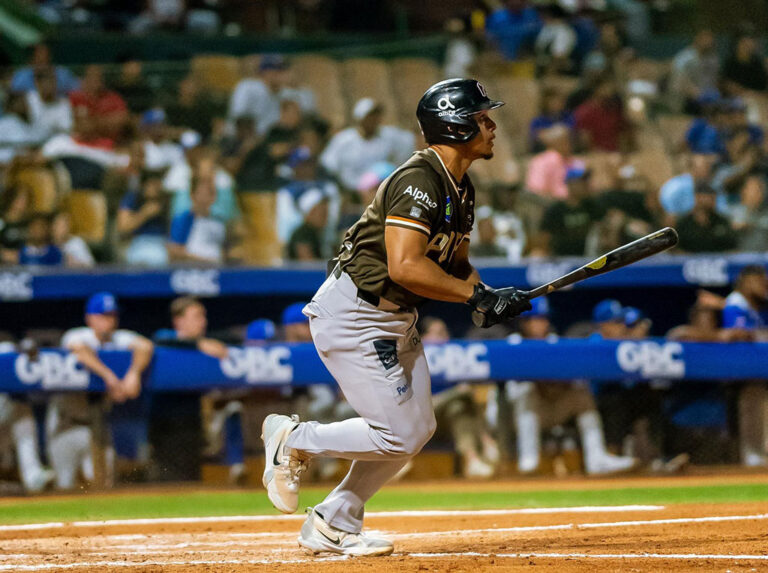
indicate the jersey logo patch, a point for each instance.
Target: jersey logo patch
{"x":415,"y":212}
{"x":420,"y":197}
{"x":448,"y":209}
{"x":387,"y":351}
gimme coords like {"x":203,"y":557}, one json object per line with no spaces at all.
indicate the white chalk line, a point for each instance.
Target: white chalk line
{"x":374,"y":514}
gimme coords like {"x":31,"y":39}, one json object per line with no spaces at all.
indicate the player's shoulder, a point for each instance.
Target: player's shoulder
{"x":736,"y":300}
{"x":419,"y":172}
{"x":123,"y":338}
{"x":78,"y":335}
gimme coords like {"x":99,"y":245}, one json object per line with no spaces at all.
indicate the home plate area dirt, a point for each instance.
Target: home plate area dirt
{"x":727,"y":537}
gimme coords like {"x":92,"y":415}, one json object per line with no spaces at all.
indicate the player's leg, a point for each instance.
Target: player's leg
{"x":34,"y":476}
{"x":65,"y":451}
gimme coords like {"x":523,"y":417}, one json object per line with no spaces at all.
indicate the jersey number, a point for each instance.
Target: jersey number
{"x":446,"y":245}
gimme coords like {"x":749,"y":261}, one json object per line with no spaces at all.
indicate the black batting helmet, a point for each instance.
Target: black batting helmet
{"x":445,"y":110}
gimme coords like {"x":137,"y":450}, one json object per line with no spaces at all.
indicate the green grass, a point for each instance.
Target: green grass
{"x":194,"y":504}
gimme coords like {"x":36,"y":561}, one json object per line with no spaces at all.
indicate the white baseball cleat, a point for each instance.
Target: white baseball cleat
{"x":281,"y":468}
{"x":39,"y":481}
{"x":610,"y":464}
{"x":317,"y":536}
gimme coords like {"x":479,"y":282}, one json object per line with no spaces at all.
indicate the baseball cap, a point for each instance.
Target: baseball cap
{"x":260,"y":329}
{"x":102,"y":303}
{"x":608,"y":310}
{"x":576,"y":172}
{"x":377,"y":173}
{"x":539,"y":308}
{"x":298,"y":156}
{"x":293,"y":314}
{"x":272,"y":62}
{"x":363,"y":107}
{"x":154,"y":116}
{"x":633,"y":315}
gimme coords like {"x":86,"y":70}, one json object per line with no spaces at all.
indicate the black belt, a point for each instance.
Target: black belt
{"x":365,"y":295}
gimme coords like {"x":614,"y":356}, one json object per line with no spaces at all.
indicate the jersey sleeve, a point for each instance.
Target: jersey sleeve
{"x":412,"y":202}
{"x":74,"y":337}
{"x":181,"y":226}
{"x":735,"y":317}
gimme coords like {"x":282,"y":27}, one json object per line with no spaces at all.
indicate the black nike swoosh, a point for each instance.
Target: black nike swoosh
{"x":331,"y":539}
{"x":274,"y":459}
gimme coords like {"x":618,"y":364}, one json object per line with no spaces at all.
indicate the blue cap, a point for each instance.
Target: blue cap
{"x":298,"y":156}
{"x":154,"y":116}
{"x":540,"y":308}
{"x":272,"y":62}
{"x":102,"y":303}
{"x":260,"y":329}
{"x":576,"y":172}
{"x":293,"y":315}
{"x":633,"y":315}
{"x":608,"y":310}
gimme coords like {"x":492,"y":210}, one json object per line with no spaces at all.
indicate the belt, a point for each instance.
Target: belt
{"x":367,"y":296}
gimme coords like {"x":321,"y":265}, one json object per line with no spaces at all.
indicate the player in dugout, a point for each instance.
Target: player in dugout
{"x":410,"y":245}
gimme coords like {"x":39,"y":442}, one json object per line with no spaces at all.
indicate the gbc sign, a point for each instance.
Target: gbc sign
{"x":257,"y":364}
{"x":201,"y":282}
{"x":16,"y":286}
{"x":651,"y":359}
{"x":52,"y":371}
{"x":706,"y":271}
{"x":455,"y":362}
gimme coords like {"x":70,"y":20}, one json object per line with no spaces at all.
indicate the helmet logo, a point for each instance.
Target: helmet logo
{"x":481,"y":89}
{"x":444,"y":103}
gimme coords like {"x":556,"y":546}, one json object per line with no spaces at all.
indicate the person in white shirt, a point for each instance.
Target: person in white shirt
{"x":159,"y":151}
{"x":75,"y":249}
{"x":67,"y":419}
{"x":352,"y":151}
{"x":17,"y":132}
{"x":48,"y":111}
{"x":259,"y":95}
{"x":695,"y":72}
{"x":555,"y":42}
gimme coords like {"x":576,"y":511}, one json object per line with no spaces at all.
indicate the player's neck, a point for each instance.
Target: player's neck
{"x":455,"y":162}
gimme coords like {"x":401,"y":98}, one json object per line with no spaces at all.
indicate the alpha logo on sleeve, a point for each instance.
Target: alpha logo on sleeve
{"x":420,"y":197}
{"x":387,"y":351}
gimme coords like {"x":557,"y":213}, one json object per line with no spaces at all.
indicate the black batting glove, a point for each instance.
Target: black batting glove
{"x":491,"y":307}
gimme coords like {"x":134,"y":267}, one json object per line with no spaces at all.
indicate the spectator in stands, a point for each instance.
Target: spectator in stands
{"x":744,"y":69}
{"x":750,"y":217}
{"x":566,"y":225}
{"x":511,"y":26}
{"x":459,"y":415}
{"x":160,"y":152}
{"x":23,"y":79}
{"x":104,"y":107}
{"x":601,"y":122}
{"x":48,"y":111}
{"x":745,"y":314}
{"x":705,"y":134}
{"x":306,"y":177}
{"x":69,"y":415}
{"x":546,"y":170}
{"x":202,"y":160}
{"x":133,"y":86}
{"x":159,"y":15}
{"x":193,"y":108}
{"x":143,"y":219}
{"x":695,"y":72}
{"x":15,"y":209}
{"x":544,"y":405}
{"x":352,"y":151}
{"x":461,"y":51}
{"x":555,"y":42}
{"x":485,"y":244}
{"x":306,"y":242}
{"x":677,"y":196}
{"x":196,"y":235}
{"x":38,"y":249}
{"x":258,"y":95}
{"x":637,"y":323}
{"x":552,"y":112}
{"x":17,"y":131}
{"x":704,"y":230}
{"x":75,"y":250}
{"x":370,"y":180}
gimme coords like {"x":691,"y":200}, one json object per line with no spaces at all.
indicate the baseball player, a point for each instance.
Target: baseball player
{"x":411,"y":244}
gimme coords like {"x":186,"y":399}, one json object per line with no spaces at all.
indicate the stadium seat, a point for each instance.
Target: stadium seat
{"x":219,"y":73}
{"x":369,"y":77}
{"x":43,"y":183}
{"x":88,"y":211}
{"x":261,"y":245}
{"x":323,"y":76}
{"x":410,"y":79}
{"x":674,"y":127}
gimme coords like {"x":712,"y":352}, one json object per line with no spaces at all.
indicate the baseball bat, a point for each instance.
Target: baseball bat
{"x":638,"y":250}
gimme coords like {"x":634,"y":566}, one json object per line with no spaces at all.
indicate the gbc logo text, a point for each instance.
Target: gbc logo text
{"x":51,"y":370}
{"x":456,"y":362}
{"x":651,"y":359}
{"x":15,"y":286}
{"x":420,"y":196}
{"x":706,"y":271}
{"x":196,"y":281}
{"x":257,"y":364}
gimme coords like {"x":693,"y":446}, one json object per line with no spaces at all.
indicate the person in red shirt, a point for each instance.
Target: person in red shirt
{"x":105,"y":108}
{"x":601,"y":122}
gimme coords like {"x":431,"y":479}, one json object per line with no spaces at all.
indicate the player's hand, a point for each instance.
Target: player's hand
{"x":131,"y":385}
{"x":492,"y":307}
{"x":114,"y":387}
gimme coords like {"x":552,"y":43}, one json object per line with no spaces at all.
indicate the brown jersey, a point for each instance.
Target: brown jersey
{"x":422,"y":196}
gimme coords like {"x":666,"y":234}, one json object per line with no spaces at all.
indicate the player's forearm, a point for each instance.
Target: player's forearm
{"x":424,"y":277}
{"x":142,"y":355}
{"x":92,"y":362}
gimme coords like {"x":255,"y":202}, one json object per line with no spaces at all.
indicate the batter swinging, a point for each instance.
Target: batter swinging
{"x":411,"y":244}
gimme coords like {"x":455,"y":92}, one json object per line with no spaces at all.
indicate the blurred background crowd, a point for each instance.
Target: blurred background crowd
{"x":267,"y":158}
